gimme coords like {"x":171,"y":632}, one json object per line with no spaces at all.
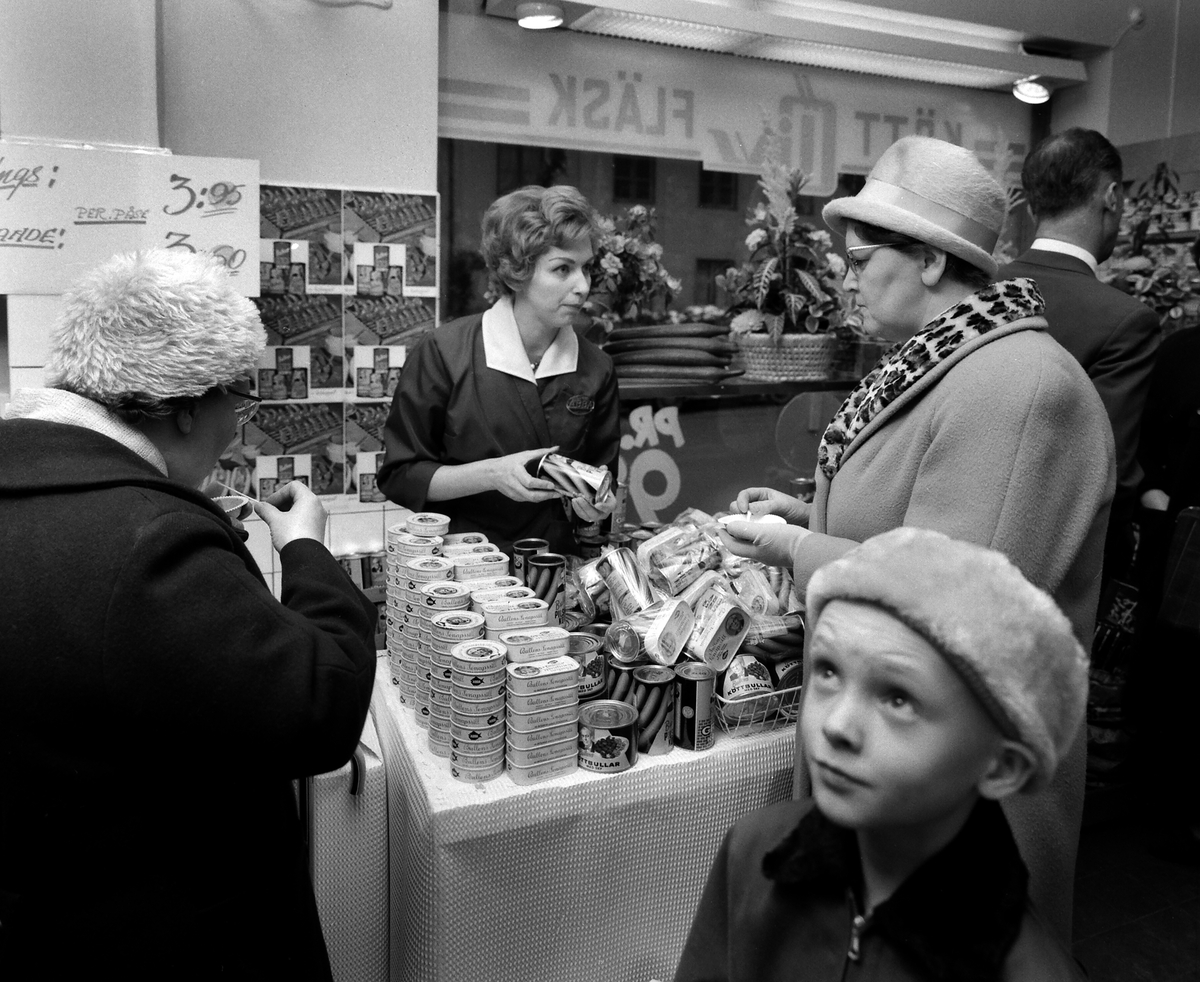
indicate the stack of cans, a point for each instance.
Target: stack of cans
{"x":477,"y":709}
{"x":402,"y":546}
{"x":439,"y":599}
{"x":542,"y":729}
{"x":417,"y":635}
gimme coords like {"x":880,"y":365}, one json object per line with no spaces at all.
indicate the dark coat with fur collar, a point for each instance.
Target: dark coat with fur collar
{"x":155,"y":703}
{"x":780,"y":905}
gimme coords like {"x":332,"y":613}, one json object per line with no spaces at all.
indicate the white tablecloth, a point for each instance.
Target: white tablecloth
{"x":584,"y":878}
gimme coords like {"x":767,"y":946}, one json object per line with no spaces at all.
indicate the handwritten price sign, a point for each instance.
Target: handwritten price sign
{"x":64,"y":210}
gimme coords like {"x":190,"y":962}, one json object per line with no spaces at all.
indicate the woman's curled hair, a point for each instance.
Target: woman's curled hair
{"x":520,"y":226}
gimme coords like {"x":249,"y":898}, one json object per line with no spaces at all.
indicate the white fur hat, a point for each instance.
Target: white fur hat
{"x":1006,"y":638}
{"x":157,"y":324}
{"x":934,"y":191}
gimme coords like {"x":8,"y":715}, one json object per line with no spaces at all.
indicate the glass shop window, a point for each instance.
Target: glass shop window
{"x":634,"y":179}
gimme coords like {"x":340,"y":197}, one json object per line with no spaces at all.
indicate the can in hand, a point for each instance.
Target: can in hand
{"x":522,"y":549}
{"x":545,"y":575}
{"x":574,"y":478}
{"x":695,"y":685}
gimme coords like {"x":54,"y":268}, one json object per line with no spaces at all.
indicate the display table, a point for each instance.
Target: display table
{"x":584,"y":878}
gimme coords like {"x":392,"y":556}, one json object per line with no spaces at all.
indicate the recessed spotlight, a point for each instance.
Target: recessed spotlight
{"x":539,"y":16}
{"x":1030,"y":90}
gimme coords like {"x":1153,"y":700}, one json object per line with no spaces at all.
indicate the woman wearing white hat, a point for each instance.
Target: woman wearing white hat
{"x":976,"y":424}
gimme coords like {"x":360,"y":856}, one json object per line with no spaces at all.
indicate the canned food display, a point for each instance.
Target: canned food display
{"x":543,"y":772}
{"x":480,"y":656}
{"x":509,"y":615}
{"x":464,"y":538}
{"x":532,"y":756}
{"x":522,"y":549}
{"x":476,"y":775}
{"x":535,"y":644}
{"x":545,"y":576}
{"x":653,"y":697}
{"x":526,"y":678}
{"x":456,"y":625}
{"x":586,"y":650}
{"x":427,"y":523}
{"x":608,"y":736}
{"x":549,"y":699}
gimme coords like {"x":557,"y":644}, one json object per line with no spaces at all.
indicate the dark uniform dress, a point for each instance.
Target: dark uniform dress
{"x":451,"y":408}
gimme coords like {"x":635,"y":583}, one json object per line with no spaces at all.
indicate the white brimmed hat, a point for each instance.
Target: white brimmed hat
{"x":1006,"y":639}
{"x":934,"y":191}
{"x":159,"y":324}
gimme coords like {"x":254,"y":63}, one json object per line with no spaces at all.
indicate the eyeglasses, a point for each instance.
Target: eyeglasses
{"x":245,"y":407}
{"x":857,"y":264}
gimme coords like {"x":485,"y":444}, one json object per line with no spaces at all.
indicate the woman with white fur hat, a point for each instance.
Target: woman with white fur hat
{"x":976,"y":424}
{"x":156,"y":700}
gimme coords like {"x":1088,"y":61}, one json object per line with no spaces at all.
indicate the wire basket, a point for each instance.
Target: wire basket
{"x":793,"y":358}
{"x":757,"y":714}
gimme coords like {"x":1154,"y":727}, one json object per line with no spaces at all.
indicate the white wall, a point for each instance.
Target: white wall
{"x":345,"y":95}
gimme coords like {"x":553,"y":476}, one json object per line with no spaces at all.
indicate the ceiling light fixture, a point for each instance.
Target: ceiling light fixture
{"x":539,"y":16}
{"x":1030,"y":90}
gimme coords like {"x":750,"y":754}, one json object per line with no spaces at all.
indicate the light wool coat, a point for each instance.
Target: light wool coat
{"x":1006,"y":444}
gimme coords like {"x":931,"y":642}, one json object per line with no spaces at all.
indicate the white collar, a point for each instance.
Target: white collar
{"x":61,"y":406}
{"x":1066,"y":249}
{"x":505,"y":352}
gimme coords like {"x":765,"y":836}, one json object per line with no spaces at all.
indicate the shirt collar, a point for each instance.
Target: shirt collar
{"x":504,"y":351}
{"x":1066,"y":249}
{"x":61,"y":406}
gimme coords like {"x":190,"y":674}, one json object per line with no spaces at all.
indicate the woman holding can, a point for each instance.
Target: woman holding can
{"x":976,"y":424}
{"x":483,"y":398}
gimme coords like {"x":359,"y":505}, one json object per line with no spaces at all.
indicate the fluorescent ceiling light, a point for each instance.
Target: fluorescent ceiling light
{"x":1030,"y":90}
{"x":539,"y":16}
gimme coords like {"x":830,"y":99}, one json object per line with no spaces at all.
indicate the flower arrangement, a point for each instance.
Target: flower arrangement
{"x":630,"y":284}
{"x":792,"y":281}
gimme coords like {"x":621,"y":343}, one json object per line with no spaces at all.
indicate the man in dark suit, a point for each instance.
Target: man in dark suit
{"x":1073,"y":184}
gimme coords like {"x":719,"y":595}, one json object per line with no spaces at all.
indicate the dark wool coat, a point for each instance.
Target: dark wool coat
{"x":450,"y":408}
{"x":1113,"y":336}
{"x":781,"y":903}
{"x":156,"y":702}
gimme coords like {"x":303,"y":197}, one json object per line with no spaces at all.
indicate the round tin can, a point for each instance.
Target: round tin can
{"x":473,"y":775}
{"x":474,"y":707}
{"x":545,"y":574}
{"x":439,"y":743}
{"x":444,"y":596}
{"x":620,"y":679}
{"x":593,"y":679}
{"x":427,"y":523}
{"x":478,"y":721}
{"x":478,"y":741}
{"x":426,"y":569}
{"x":693,"y":723}
{"x":456,"y":625}
{"x":479,"y":656}
{"x":608,"y":736}
{"x":653,"y":694}
{"x":470,"y":761}
{"x":479,"y":680}
{"x":401,"y":542}
{"x":465,"y":538}
{"x":623,"y":643}
{"x":522,"y":549}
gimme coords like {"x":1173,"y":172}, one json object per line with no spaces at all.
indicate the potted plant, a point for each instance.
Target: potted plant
{"x":630,"y":284}
{"x":1154,"y":259}
{"x":786,"y":299}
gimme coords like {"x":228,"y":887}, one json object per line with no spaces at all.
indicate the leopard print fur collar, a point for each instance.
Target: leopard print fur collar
{"x":993,"y":306}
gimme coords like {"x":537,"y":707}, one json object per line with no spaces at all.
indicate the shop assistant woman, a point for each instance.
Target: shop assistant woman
{"x":483,"y":397}
{"x":977,"y":424}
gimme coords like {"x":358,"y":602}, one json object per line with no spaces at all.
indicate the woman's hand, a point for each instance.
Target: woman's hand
{"x":293,"y":512}
{"x":769,"y":543}
{"x":594,"y":513}
{"x":768,"y":501}
{"x":510,"y":477}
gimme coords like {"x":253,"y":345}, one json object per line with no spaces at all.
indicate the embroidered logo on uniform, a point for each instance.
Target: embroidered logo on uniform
{"x":580,"y":405}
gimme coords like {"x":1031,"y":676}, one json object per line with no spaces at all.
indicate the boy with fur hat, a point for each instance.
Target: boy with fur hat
{"x":938,"y":681}
{"x":156,"y":700}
